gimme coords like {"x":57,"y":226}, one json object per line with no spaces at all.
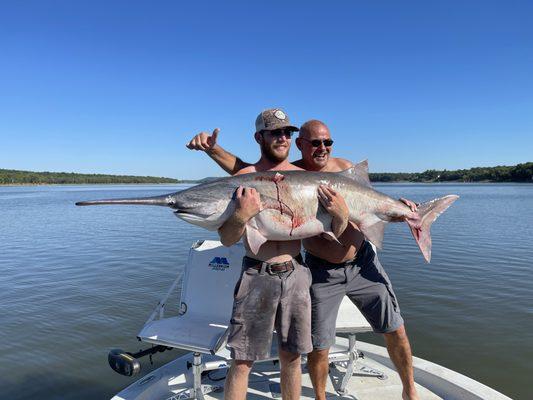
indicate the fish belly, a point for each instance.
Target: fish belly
{"x":276,"y":226}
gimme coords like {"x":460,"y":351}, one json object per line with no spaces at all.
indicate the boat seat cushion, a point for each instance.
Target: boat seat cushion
{"x":188,"y":332}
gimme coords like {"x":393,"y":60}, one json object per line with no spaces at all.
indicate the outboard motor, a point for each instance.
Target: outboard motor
{"x":127,"y":363}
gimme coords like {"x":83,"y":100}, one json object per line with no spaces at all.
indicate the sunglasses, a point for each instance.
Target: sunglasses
{"x":278,"y":133}
{"x":318,"y":142}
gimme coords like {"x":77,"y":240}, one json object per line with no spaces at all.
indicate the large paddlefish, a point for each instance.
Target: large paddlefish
{"x":290,"y":209}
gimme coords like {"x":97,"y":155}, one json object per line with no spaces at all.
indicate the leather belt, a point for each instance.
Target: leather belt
{"x":271,"y":268}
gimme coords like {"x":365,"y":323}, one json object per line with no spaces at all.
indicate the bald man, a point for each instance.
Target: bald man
{"x":350,"y":267}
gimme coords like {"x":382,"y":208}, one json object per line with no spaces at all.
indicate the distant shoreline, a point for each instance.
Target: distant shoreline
{"x":520,"y":173}
{"x":201,"y":181}
{"x":94,"y":184}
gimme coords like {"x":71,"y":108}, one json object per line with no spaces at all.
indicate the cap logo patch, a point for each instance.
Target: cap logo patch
{"x":280,"y":115}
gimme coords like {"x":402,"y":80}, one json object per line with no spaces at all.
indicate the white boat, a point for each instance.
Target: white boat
{"x":358,"y":370}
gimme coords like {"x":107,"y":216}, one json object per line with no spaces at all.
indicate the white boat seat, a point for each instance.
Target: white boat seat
{"x":206,"y":300}
{"x":207,"y":297}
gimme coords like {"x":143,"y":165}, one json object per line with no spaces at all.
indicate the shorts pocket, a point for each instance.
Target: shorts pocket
{"x":242,"y":288}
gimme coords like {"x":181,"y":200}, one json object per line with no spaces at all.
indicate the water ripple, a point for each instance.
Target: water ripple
{"x":85,"y":279}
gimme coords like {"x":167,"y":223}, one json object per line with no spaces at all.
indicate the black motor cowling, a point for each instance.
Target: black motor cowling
{"x":127,"y":363}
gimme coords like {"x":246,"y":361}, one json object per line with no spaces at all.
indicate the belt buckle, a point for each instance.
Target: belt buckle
{"x":269,"y":271}
{"x":288,"y":268}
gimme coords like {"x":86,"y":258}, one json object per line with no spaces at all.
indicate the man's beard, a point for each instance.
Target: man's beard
{"x":322,"y":159}
{"x":269,"y":153}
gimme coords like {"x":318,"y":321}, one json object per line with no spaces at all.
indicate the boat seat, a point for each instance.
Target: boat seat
{"x":207,"y":299}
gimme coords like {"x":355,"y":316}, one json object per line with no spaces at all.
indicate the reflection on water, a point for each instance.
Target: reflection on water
{"x":76,"y":282}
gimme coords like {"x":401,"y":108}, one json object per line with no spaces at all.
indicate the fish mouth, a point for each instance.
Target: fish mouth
{"x":209,"y":222}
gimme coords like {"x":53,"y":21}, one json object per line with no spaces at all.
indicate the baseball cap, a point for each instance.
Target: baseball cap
{"x":273,"y":118}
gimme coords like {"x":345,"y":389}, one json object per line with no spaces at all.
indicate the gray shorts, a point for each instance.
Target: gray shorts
{"x":263,"y":302}
{"x":364,"y":281}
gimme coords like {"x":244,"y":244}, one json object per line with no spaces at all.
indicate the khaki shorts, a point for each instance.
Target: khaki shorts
{"x":364,"y":281}
{"x":264,"y":301}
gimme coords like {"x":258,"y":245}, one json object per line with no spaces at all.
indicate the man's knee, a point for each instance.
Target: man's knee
{"x":317,"y":356}
{"x":286,"y":357}
{"x":242,"y":366}
{"x":398,"y":334}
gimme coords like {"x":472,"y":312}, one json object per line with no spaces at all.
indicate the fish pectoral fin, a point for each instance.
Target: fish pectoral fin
{"x":325,"y":219}
{"x":373,"y":228}
{"x":254,"y":238}
{"x":330,"y":236}
{"x":359,"y":173}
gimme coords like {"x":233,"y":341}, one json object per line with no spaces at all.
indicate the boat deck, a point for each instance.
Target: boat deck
{"x":174,"y":380}
{"x":264,"y":384}
{"x":201,"y":326}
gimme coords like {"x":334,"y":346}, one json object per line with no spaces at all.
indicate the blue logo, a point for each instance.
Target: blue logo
{"x":219,"y":264}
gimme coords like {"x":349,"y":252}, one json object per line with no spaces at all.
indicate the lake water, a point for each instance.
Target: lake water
{"x":78,"y":281}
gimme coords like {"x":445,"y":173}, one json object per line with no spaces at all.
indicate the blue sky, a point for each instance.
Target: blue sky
{"x":119,"y":87}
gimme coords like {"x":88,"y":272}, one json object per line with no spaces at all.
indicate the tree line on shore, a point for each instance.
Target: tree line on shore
{"x":518,"y":173}
{"x":14,"y":177}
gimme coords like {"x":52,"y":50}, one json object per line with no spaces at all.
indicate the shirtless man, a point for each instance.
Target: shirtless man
{"x":276,"y":272}
{"x":331,"y":263}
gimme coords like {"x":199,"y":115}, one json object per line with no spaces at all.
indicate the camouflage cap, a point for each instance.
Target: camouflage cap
{"x":272,"y":119}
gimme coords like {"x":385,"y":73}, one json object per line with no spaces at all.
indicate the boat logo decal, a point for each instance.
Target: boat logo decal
{"x":219,"y":264}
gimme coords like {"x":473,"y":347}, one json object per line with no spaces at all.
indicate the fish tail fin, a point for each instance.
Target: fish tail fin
{"x":427,"y":214}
